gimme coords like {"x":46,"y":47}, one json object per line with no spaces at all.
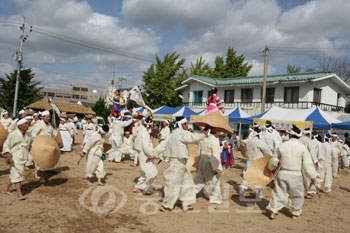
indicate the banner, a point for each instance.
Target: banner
{"x":285,"y":125}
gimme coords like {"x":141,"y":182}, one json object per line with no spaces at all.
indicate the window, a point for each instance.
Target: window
{"x":51,"y":94}
{"x":291,"y":94}
{"x":67,"y":96}
{"x":270,"y":95}
{"x":76,"y":88}
{"x":83,"y":97}
{"x":317,"y":95}
{"x":229,"y":96}
{"x":84,"y":89}
{"x":247,"y":95}
{"x":59,"y":95}
{"x":75,"y":96}
{"x":197,"y":96}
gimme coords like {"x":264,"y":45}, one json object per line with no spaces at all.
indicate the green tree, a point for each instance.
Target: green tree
{"x":28,"y":90}
{"x":293,"y":69}
{"x":234,"y":66}
{"x":201,"y":68}
{"x":161,"y":79}
{"x":101,"y":109}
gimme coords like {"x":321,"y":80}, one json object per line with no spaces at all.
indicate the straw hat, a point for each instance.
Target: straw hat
{"x":258,"y":174}
{"x":215,"y":120}
{"x":58,"y":139}
{"x":3,"y":136}
{"x":63,"y":115}
{"x":45,"y":151}
{"x":89,"y":116}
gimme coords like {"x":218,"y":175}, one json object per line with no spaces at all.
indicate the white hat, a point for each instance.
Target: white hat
{"x":22,"y":121}
{"x":45,"y":113}
{"x":4,"y":113}
{"x":22,"y":111}
{"x":29,"y":118}
{"x":36,"y":114}
{"x":62,"y":119}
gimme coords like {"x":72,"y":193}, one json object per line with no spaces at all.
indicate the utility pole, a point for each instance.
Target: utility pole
{"x":120,"y":83}
{"x":19,"y":58}
{"x":263,"y":97}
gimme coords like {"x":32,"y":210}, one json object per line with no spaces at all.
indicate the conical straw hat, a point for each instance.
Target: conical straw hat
{"x":258,"y":174}
{"x":3,"y":136}
{"x":58,"y":139}
{"x":45,"y":151}
{"x":216,"y":121}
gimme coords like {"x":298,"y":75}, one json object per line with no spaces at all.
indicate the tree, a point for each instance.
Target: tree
{"x":161,"y":79}
{"x":339,"y":66}
{"x":293,"y":69}
{"x":234,"y":66}
{"x":101,"y":109}
{"x":201,"y":68}
{"x":28,"y":90}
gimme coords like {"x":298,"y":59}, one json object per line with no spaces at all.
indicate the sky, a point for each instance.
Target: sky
{"x":93,"y":42}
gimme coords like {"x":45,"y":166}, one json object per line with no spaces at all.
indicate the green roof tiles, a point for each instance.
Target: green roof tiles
{"x":296,"y":77}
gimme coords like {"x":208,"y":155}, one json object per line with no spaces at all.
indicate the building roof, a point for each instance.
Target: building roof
{"x":271,"y":79}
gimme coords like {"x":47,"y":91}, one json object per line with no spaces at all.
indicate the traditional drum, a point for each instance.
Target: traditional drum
{"x":45,"y":151}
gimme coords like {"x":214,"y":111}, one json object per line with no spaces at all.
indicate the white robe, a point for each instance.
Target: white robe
{"x":88,"y":130}
{"x":143,"y":147}
{"x":209,"y":150}
{"x":255,"y":148}
{"x":293,"y":157}
{"x":116,"y":140}
{"x":94,"y":149}
{"x":17,"y":145}
{"x":178,"y":179}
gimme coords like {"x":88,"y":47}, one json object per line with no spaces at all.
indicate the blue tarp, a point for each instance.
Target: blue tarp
{"x":166,"y":110}
{"x":341,"y":125}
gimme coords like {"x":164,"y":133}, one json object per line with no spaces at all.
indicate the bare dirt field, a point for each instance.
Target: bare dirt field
{"x":66,"y":204}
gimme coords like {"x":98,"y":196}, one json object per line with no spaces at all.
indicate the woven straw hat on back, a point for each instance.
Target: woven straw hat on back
{"x":3,"y":136}
{"x":45,"y":151}
{"x":258,"y":174}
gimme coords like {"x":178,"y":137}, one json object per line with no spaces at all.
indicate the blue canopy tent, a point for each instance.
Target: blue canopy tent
{"x":319,"y":121}
{"x":341,"y":125}
{"x":238,"y":115}
{"x":164,"y":113}
{"x":185,"y":111}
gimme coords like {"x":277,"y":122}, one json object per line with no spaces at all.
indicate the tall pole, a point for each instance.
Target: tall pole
{"x":18,"y":57}
{"x":263,"y":97}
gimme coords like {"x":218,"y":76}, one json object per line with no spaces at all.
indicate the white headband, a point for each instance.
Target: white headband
{"x":22,"y":121}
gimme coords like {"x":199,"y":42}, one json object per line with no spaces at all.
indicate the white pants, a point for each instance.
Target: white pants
{"x":178,"y":184}
{"x":207,"y":177}
{"x":94,"y":164}
{"x":67,"y":140}
{"x":149,"y":173}
{"x":116,"y":152}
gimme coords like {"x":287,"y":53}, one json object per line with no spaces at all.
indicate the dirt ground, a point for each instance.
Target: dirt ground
{"x":66,"y":204}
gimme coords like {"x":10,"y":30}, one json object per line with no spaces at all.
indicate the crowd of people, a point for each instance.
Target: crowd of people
{"x":304,"y":160}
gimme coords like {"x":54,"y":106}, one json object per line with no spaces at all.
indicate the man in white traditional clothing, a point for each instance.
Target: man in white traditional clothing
{"x":338,"y":146}
{"x":16,"y":150}
{"x":305,"y":139}
{"x":6,"y":121}
{"x":144,"y":149}
{"x":21,"y":114}
{"x":270,"y":137}
{"x":255,"y":149}
{"x":292,"y":157}
{"x":67,"y":133}
{"x":178,"y":179}
{"x":94,"y":150}
{"x":43,"y":127}
{"x":88,"y":129}
{"x":326,"y":168}
{"x":210,"y":169}
{"x":116,"y":138}
{"x":159,"y":151}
